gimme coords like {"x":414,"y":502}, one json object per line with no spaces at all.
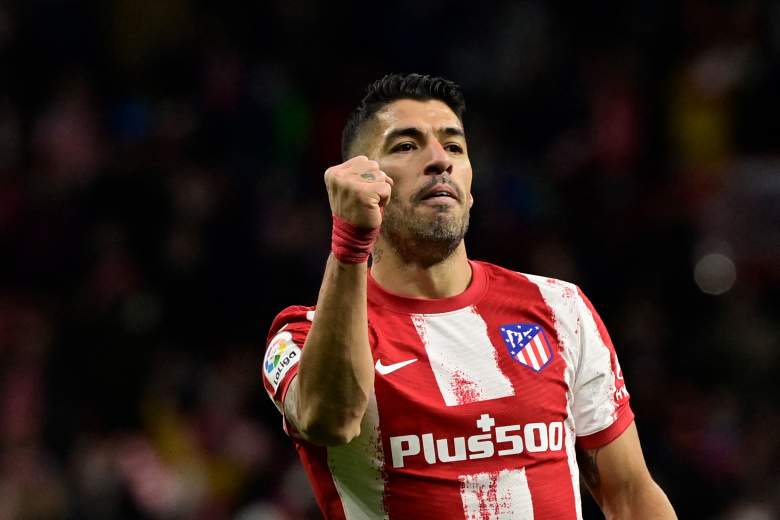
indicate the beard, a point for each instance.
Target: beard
{"x":424,"y":235}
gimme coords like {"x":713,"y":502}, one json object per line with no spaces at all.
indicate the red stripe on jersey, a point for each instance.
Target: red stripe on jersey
{"x":315,"y":463}
{"x":551,"y":492}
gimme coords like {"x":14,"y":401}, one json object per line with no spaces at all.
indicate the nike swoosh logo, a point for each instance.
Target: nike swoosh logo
{"x":389,"y":369}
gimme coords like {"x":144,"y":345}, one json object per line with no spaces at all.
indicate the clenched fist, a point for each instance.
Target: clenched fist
{"x":357,"y":190}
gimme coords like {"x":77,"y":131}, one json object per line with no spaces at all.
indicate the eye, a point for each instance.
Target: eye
{"x":406,"y":146}
{"x":453,"y":148}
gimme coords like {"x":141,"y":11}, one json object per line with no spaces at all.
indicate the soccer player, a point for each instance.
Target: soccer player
{"x":431,"y":385}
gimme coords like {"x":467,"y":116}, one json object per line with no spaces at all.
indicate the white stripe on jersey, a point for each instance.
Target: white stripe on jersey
{"x":462,"y":357}
{"x":540,"y":348}
{"x":560,"y":298}
{"x":596,"y":400}
{"x":355,"y":468}
{"x":531,"y":353}
{"x":500,"y":495}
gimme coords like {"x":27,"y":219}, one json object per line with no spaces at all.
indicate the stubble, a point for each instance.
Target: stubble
{"x":424,"y":236}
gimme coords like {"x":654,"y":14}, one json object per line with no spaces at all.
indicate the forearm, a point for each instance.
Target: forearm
{"x":336,"y":376}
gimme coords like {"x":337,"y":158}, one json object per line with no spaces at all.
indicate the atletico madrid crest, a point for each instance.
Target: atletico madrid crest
{"x":527,"y":344}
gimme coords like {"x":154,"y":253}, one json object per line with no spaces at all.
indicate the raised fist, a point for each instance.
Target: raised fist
{"x":357,"y":190}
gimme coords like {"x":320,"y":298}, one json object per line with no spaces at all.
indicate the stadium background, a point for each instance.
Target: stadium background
{"x":161,"y":199}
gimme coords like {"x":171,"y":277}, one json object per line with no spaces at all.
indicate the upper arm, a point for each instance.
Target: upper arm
{"x":283,"y":352}
{"x":286,"y":343}
{"x":609,"y":468}
{"x":618,"y":479}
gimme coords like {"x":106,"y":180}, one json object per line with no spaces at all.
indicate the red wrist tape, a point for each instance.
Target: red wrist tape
{"x":351,"y":244}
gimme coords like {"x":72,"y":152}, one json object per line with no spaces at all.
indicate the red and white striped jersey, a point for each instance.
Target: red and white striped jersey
{"x":478,"y":402}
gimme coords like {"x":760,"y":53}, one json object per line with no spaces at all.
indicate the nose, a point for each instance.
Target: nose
{"x":439,"y":160}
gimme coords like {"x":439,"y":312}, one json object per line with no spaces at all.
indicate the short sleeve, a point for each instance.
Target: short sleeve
{"x":601,"y":401}
{"x":283,"y":350}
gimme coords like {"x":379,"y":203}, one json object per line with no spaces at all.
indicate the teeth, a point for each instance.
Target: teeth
{"x":439,"y":194}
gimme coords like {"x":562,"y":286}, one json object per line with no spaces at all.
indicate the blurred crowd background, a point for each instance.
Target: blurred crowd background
{"x":161,"y":199}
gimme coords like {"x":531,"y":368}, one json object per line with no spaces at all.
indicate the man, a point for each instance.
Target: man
{"x":434,"y":386}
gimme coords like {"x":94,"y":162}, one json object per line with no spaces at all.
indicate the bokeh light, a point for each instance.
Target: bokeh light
{"x":715,"y":273}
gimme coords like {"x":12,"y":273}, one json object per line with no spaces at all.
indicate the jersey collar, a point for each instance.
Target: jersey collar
{"x":379,"y":296}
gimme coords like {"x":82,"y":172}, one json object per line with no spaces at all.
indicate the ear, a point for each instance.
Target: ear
{"x":471,"y":200}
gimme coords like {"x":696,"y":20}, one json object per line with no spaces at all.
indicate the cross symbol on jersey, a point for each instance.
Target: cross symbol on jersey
{"x":485,"y":422}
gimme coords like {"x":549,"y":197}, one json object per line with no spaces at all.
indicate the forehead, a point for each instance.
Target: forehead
{"x":431,"y":114}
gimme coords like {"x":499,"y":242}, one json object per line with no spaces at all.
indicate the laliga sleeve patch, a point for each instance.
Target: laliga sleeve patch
{"x":282,"y":354}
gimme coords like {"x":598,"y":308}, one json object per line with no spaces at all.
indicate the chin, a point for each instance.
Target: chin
{"x":414,"y":230}
{"x":447,"y":228}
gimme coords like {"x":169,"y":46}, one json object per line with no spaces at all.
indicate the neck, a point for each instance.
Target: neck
{"x":449,"y":277}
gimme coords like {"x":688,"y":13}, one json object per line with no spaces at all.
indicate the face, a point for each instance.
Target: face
{"x":421,"y":145}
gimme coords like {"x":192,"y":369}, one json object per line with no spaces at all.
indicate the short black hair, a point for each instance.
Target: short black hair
{"x":393,"y":87}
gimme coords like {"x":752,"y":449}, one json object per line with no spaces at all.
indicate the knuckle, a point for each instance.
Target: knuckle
{"x":357,"y":159}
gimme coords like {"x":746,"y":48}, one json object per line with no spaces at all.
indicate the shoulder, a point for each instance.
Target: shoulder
{"x":295,"y":315}
{"x":503,"y":277}
{"x":554,"y":287}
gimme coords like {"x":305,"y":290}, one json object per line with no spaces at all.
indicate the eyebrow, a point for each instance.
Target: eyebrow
{"x":416,"y":133}
{"x":453,"y":131}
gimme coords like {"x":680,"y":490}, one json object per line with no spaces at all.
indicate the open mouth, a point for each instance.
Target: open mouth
{"x":441,"y":191}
